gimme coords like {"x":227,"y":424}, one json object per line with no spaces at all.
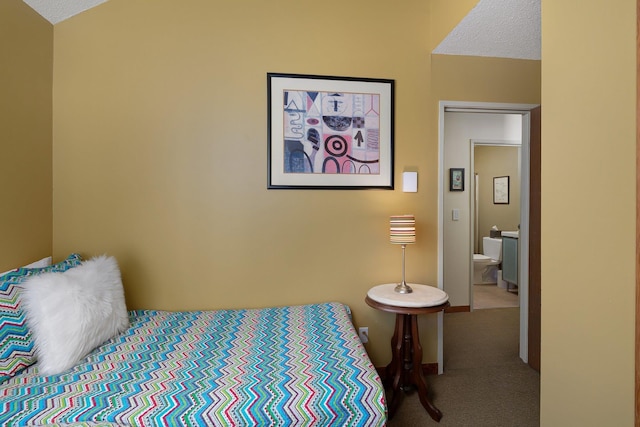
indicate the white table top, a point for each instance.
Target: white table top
{"x":422,"y":295}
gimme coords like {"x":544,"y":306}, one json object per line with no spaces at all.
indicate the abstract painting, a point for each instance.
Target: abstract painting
{"x":329,"y":132}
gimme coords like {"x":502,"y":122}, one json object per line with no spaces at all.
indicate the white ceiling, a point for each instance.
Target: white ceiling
{"x":55,"y":11}
{"x":496,"y":28}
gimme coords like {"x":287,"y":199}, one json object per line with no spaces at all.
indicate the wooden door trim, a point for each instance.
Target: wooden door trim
{"x":637,"y":356}
{"x":535,"y":237}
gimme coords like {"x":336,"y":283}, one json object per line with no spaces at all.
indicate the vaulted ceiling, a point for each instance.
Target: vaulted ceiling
{"x":56,"y":11}
{"x":495,"y":28}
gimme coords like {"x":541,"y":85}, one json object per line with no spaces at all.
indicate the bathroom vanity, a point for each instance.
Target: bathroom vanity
{"x":510,"y":256}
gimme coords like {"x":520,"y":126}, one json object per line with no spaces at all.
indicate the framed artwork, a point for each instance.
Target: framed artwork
{"x":501,"y":190}
{"x":456,"y":179}
{"x":327,"y":132}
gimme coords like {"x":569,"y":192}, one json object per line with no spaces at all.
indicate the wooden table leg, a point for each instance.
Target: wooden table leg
{"x":404,"y":372}
{"x":394,"y":370}
{"x":417,"y":377}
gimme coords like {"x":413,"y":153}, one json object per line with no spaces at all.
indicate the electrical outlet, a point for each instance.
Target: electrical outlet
{"x":364,"y":334}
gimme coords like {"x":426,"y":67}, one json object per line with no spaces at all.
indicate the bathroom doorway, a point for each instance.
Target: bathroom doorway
{"x":454,"y":218}
{"x":493,"y":159}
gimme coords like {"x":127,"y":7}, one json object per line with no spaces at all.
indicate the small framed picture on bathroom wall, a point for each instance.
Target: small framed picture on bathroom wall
{"x":456,"y":179}
{"x":501,"y":190}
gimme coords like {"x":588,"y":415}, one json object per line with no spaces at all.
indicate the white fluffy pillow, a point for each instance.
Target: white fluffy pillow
{"x":71,"y":313}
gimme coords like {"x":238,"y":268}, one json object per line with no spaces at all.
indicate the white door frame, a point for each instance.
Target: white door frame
{"x":523,"y":274}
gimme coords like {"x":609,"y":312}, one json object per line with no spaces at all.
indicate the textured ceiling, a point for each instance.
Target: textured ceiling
{"x":497,"y":28}
{"x":55,"y":11}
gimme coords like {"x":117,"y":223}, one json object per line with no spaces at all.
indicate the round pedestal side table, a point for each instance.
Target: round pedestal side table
{"x":404,"y":372}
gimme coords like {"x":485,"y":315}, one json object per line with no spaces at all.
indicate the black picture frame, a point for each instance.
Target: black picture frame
{"x":456,"y":179}
{"x":329,"y":132}
{"x":501,"y":190}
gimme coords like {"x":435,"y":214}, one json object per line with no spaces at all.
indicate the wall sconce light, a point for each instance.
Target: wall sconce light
{"x":410,"y":182}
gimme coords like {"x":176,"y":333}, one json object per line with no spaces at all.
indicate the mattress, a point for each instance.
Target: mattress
{"x":285,"y":366}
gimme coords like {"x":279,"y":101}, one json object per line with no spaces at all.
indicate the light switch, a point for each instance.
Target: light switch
{"x":455,"y":214}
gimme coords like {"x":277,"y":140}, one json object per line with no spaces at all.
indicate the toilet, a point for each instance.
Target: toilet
{"x":485,"y":265}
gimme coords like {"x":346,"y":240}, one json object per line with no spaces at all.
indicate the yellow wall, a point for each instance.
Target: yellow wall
{"x":483,"y":79}
{"x":493,"y":161}
{"x":160,"y":152}
{"x":26,"y":55}
{"x":446,"y":15}
{"x":588,"y":212}
{"x":159,"y":159}
{"x":160,"y":148}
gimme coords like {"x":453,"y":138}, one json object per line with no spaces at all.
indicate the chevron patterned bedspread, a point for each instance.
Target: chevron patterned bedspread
{"x":287,"y":366}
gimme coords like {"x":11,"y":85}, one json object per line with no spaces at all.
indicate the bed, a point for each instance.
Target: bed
{"x":285,"y":366}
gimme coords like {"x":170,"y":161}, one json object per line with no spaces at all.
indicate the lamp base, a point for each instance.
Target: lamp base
{"x":403,"y":288}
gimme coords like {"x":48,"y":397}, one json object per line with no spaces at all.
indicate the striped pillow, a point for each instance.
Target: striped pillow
{"x":16,"y":345}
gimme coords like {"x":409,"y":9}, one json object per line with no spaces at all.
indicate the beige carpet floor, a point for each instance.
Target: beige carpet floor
{"x":491,"y":296}
{"x":484,"y":382}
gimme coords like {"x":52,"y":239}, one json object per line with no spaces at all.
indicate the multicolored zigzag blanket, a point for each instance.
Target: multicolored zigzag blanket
{"x":288,"y":366}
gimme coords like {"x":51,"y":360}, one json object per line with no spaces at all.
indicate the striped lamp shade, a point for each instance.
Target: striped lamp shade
{"x":402,"y":229}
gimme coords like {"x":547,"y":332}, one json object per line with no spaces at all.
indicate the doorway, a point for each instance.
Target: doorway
{"x":447,"y":214}
{"x":493,"y":160}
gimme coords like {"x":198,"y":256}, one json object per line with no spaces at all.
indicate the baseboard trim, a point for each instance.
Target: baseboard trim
{"x":427,"y":369}
{"x":458,"y":309}
{"x":430,"y":368}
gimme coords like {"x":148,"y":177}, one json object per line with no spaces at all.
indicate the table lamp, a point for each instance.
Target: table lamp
{"x":402,"y":231}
